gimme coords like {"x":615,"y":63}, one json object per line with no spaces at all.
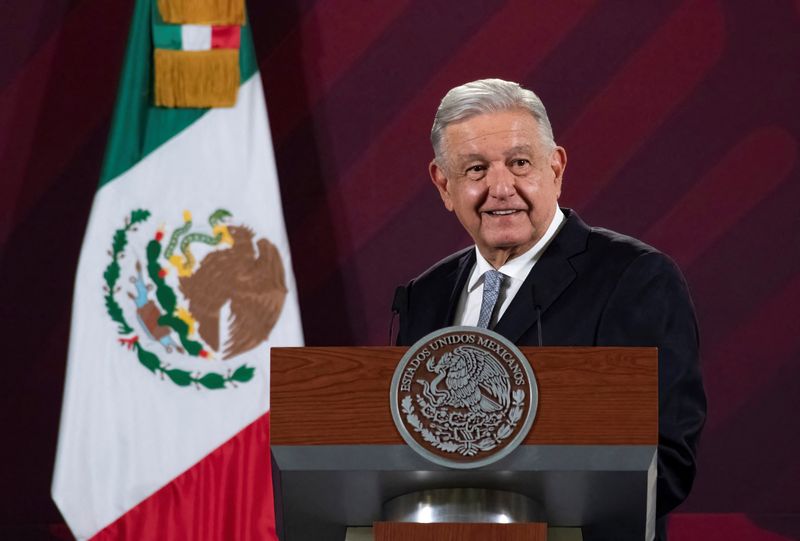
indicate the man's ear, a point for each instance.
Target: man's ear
{"x":440,"y":181}
{"x":558,"y":163}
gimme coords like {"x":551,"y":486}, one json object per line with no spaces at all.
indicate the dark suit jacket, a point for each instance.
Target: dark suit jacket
{"x":594,"y":287}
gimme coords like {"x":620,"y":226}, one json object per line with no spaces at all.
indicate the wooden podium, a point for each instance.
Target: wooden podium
{"x":589,"y":460}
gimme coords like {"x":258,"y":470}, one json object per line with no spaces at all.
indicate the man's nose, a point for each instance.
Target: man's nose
{"x":502,"y":183}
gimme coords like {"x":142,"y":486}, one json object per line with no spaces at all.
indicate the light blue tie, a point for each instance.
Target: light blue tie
{"x":492,"y":281}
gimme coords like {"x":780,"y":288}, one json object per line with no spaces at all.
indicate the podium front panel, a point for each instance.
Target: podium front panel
{"x":590,"y":458}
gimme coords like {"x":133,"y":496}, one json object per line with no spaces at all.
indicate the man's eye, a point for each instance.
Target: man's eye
{"x":522,"y":162}
{"x":475,"y":172}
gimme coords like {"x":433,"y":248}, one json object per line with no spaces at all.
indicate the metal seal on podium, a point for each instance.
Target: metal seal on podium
{"x":463,"y":397}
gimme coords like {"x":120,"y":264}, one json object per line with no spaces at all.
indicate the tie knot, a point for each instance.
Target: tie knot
{"x":492,"y":280}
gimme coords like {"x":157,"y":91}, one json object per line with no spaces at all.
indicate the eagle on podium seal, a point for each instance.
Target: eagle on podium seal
{"x":463,"y":397}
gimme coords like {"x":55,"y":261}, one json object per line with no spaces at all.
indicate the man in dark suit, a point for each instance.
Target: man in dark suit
{"x":562,"y":283}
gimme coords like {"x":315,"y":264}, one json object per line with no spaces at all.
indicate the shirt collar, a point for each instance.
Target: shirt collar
{"x":518,"y":267}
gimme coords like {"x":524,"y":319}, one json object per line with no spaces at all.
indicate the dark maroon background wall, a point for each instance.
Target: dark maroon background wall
{"x":681,"y":119}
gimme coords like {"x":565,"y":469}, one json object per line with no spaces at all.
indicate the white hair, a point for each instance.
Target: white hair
{"x":487,"y":96}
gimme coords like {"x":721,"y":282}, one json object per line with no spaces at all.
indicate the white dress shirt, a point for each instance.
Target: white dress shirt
{"x":515,"y":271}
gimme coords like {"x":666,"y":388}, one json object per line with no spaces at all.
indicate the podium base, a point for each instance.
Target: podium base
{"x":459,"y":531}
{"x":461,"y":514}
{"x":468,"y":505}
{"x":553,"y":534}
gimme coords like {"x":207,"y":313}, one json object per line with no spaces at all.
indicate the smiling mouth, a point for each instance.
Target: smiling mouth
{"x":506,"y":212}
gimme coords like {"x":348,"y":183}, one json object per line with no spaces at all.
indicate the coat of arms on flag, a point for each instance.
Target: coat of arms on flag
{"x":179,"y":283}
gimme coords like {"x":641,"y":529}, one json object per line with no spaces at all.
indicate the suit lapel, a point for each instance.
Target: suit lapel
{"x":548,"y":279}
{"x":459,"y":279}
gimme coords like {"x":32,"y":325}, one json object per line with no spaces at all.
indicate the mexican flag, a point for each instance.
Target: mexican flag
{"x":184,"y":283}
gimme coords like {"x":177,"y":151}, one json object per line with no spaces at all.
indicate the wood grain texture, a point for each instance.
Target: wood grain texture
{"x":459,"y":531}
{"x":340,"y":396}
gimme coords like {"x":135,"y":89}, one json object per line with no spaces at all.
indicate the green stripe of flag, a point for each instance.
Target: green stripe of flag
{"x":138,"y":127}
{"x":165,"y":36}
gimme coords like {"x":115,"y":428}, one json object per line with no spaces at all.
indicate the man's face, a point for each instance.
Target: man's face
{"x":501,"y":180}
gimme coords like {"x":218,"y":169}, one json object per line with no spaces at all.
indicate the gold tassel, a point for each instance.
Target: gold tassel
{"x":202,"y":11}
{"x":196,"y":78}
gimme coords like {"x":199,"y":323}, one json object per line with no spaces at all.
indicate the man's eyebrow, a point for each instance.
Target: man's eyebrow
{"x":517,"y":149}
{"x":470,"y":157}
{"x":461,"y":158}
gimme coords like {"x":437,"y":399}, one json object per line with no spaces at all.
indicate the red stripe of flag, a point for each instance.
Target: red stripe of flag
{"x":227,"y":495}
{"x":225,"y":37}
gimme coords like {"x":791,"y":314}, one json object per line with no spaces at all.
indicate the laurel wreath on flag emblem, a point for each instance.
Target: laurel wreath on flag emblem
{"x":176,"y":297}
